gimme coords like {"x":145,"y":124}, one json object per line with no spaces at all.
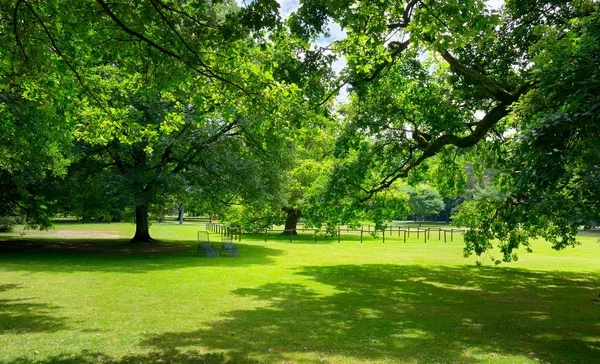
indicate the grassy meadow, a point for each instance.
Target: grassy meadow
{"x":290,"y":302}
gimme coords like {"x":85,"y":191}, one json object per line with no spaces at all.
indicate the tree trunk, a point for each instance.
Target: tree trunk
{"x":181,"y":211}
{"x":291,"y":220}
{"x":142,"y":230}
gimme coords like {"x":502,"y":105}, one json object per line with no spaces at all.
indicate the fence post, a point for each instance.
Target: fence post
{"x":418,"y":229}
{"x":384,"y":236}
{"x":405,"y":236}
{"x":266,"y":231}
{"x":444,"y":236}
{"x":361,"y":234}
{"x":291,"y":234}
{"x":451,"y":234}
{"x":339,"y":234}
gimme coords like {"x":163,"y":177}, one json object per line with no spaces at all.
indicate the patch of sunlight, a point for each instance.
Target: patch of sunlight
{"x":475,"y":353}
{"x":415,"y":279}
{"x":538,"y":315}
{"x":452,"y":286}
{"x":369,"y":313}
{"x":412,"y":334}
{"x":549,"y":286}
{"x":548,"y":337}
{"x":587,"y":280}
{"x":590,"y":339}
{"x":470,"y":323}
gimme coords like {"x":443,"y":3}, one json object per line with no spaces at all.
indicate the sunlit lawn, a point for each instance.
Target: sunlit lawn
{"x":300,"y":302}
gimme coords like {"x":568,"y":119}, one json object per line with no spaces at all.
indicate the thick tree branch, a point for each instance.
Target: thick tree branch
{"x":457,"y":67}
{"x":406,"y":16}
{"x":16,"y":30}
{"x":478,"y":78}
{"x":402,"y":171}
{"x":121,"y":166}
{"x":129,"y":31}
{"x":204,"y":70}
{"x":188,"y":16}
{"x":194,"y":153}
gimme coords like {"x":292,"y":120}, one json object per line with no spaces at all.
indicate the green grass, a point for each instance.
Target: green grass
{"x":300,"y":302}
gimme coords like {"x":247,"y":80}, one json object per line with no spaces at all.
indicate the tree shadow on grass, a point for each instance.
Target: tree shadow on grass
{"x":24,"y":315}
{"x":410,"y":313}
{"x":154,"y":357}
{"x":60,"y":255}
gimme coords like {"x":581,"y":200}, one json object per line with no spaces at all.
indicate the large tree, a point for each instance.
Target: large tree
{"x":159,"y":96}
{"x":514,"y":87}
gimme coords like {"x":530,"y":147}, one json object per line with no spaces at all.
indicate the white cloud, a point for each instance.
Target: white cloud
{"x":335,"y":33}
{"x":286,"y":7}
{"x":495,"y":4}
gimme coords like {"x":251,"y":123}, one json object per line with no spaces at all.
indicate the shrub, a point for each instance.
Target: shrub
{"x":7,"y":224}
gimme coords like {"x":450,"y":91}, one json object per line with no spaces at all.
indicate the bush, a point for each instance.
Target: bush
{"x":7,"y":224}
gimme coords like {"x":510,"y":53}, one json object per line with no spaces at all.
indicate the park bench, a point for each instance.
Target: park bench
{"x":229,"y":247}
{"x":204,"y":246}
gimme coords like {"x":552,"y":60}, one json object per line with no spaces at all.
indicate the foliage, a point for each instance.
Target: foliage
{"x":551,"y":164}
{"x":160,"y":100}
{"x":7,"y":224}
{"x":436,"y":84}
{"x":424,"y":201}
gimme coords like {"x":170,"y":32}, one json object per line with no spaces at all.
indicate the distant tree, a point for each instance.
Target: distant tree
{"x":423,"y":201}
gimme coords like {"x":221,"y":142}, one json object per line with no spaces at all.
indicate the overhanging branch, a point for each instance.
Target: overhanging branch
{"x":203,"y":70}
{"x":483,"y":127}
{"x":64,"y":57}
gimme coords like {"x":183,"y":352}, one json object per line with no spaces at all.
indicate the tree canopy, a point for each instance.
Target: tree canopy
{"x":515,"y":89}
{"x":154,"y":99}
{"x":115,"y":108}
